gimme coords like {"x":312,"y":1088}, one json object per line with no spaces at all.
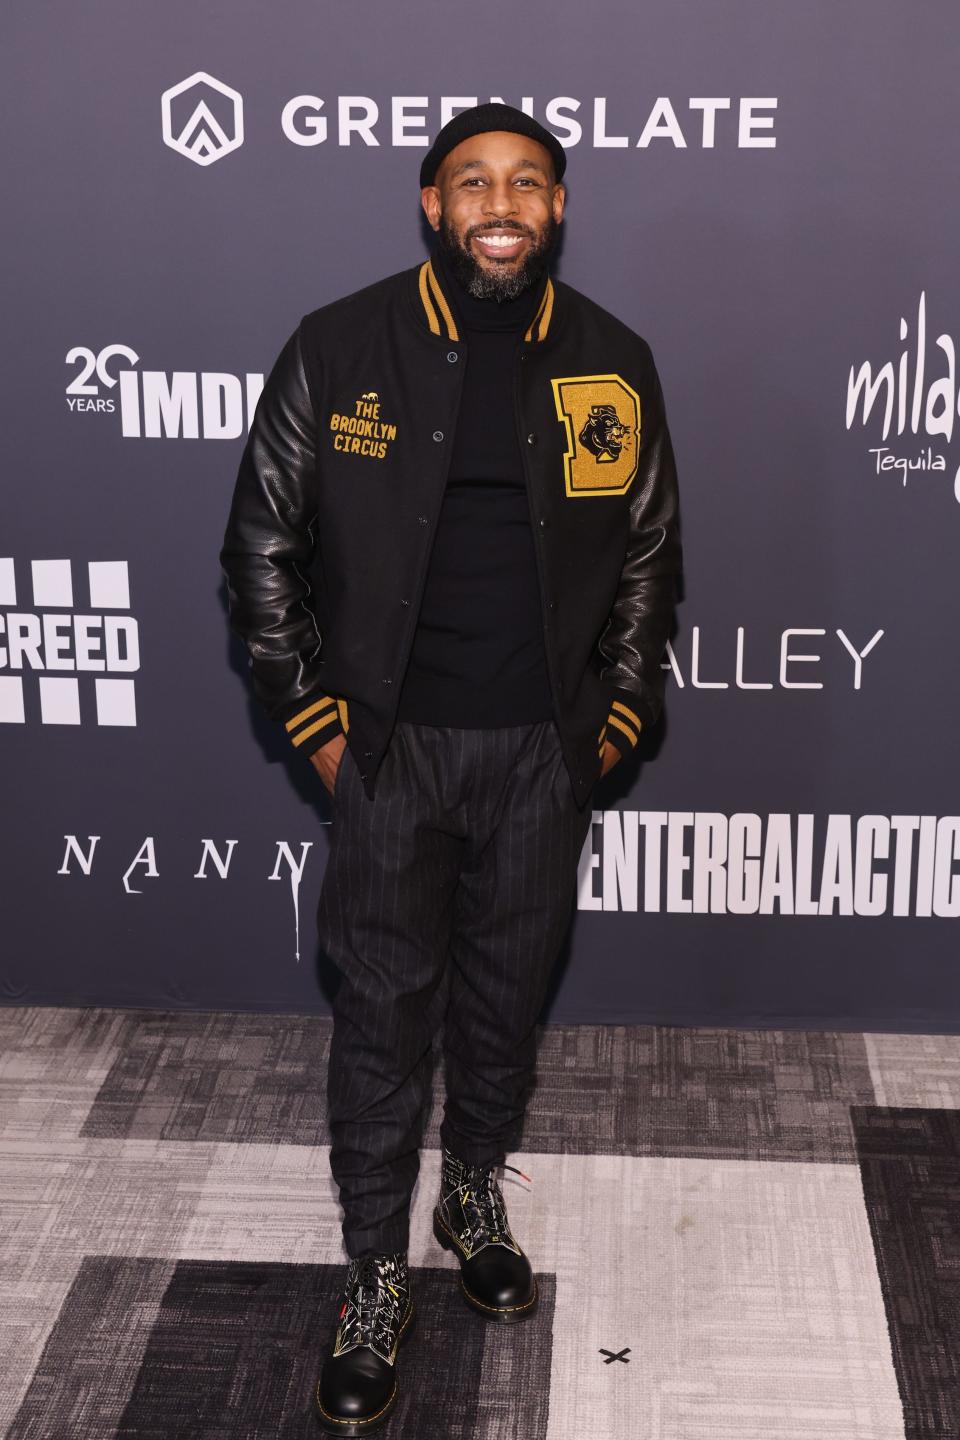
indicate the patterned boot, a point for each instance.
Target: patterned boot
{"x":471,"y":1220}
{"x":358,"y":1384}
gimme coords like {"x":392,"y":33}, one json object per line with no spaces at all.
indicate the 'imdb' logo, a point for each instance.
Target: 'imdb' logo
{"x":57,"y":639}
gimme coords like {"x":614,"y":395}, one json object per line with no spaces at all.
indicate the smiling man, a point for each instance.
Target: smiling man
{"x":452,"y":555}
{"x":496,"y":251}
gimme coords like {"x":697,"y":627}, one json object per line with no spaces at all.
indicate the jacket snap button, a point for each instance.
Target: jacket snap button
{"x":368,"y":754}
{"x":423,"y":521}
{"x":543,"y":524}
{"x":531,"y":439}
{"x":404,"y":602}
{"x":552,"y":605}
{"x":438,"y":435}
{"x":452,"y":356}
{"x":387,"y":680}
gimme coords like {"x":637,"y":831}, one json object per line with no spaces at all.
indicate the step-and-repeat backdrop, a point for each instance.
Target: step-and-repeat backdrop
{"x":767,"y":194}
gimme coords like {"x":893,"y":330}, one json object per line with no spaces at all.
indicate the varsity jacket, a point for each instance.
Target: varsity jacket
{"x":339,"y":491}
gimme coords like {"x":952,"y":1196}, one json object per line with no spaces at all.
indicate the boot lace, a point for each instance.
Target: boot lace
{"x":480,"y":1198}
{"x":376,"y":1295}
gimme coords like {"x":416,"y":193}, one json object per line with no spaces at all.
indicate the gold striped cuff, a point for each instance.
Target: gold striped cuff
{"x":626,"y":729}
{"x":327,"y":712}
{"x":630,"y":714}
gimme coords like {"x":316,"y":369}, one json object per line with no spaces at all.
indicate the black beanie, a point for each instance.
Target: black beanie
{"x":478,"y":120}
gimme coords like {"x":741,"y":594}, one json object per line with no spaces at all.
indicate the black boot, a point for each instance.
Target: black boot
{"x":358,"y":1383}
{"x":471,"y":1220}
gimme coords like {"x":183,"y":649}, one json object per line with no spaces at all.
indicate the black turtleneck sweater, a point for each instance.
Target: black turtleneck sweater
{"x":478,"y":657}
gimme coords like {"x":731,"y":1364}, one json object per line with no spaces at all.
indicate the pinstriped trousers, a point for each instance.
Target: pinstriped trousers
{"x":446,"y":898}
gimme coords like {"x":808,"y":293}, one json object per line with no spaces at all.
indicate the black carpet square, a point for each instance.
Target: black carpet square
{"x":214,"y":1350}
{"x":910,"y":1164}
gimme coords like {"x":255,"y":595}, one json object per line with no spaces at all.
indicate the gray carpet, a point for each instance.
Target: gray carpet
{"x":740,"y":1235}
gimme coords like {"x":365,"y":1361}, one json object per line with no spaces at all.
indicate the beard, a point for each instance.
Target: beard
{"x":503,"y":281}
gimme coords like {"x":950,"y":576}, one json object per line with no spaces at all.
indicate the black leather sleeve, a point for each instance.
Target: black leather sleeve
{"x":636,"y":633}
{"x":267,"y":552}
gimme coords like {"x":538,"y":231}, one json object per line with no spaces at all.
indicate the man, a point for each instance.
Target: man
{"x":452,"y":555}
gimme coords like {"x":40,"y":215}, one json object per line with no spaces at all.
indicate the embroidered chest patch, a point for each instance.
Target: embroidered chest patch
{"x":601,"y":415}
{"x":362,"y":430}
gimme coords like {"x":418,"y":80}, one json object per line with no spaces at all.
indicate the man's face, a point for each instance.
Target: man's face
{"x":496,"y":208}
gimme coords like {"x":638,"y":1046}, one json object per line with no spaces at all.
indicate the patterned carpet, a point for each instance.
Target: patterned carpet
{"x":739,"y":1235}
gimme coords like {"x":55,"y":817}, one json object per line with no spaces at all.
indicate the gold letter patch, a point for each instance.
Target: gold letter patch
{"x":602,"y":418}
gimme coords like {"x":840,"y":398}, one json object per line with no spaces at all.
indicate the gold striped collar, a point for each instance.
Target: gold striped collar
{"x":439,"y":315}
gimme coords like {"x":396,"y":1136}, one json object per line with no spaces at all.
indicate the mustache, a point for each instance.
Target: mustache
{"x":499,"y":225}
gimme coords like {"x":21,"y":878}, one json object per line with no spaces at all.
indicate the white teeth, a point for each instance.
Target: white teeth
{"x":500,"y":240}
